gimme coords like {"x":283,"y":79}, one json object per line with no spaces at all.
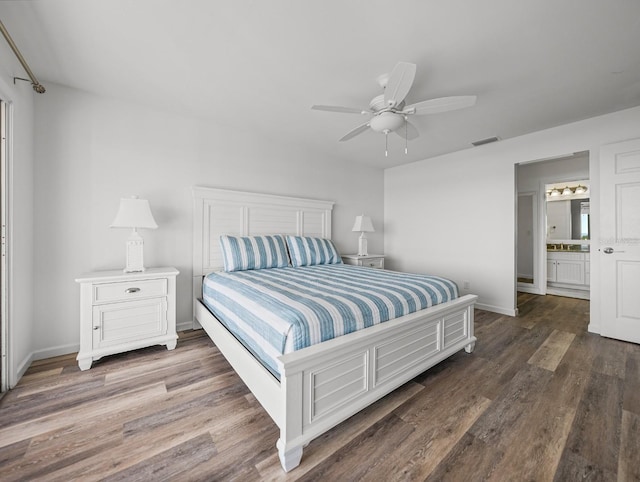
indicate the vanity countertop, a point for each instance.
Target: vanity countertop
{"x":568,"y":248}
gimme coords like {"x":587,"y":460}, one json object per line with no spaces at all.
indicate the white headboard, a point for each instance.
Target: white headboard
{"x":220,"y":211}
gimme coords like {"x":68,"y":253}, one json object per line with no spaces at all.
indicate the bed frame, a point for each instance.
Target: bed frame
{"x":324,"y":384}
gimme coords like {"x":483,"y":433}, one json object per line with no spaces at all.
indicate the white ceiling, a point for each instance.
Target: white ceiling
{"x":260,"y":65}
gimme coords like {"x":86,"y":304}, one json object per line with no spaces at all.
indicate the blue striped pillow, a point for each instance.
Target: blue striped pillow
{"x":305,"y":251}
{"x":253,"y":252}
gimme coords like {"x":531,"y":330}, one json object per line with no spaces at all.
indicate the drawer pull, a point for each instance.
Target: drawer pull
{"x":96,"y":327}
{"x":131,"y":290}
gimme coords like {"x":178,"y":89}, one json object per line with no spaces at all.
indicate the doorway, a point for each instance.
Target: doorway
{"x":532,"y":257}
{"x":528,"y":240}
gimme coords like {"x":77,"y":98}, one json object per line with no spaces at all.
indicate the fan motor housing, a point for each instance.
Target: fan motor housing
{"x":386,"y":122}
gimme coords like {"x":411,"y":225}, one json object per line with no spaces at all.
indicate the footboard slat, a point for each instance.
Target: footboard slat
{"x":393,"y":357}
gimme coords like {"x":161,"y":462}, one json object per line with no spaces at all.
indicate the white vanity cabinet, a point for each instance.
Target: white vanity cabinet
{"x":125,"y":311}
{"x":568,"y":270}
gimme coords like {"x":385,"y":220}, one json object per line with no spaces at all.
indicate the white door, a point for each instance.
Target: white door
{"x":619,"y":244}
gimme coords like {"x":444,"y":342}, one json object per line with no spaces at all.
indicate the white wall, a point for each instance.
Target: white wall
{"x":91,"y":151}
{"x":21,"y":98}
{"x":455,"y":214}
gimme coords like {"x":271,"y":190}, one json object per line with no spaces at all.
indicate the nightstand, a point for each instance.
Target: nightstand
{"x":370,"y":261}
{"x":125,"y":311}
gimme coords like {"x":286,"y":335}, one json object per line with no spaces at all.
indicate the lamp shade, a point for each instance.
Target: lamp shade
{"x":363,"y":224}
{"x":134,"y":213}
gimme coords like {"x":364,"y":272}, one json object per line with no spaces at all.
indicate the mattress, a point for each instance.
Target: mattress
{"x":280,"y":310}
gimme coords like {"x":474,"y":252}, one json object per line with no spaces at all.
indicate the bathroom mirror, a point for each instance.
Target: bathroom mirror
{"x":568,"y":215}
{"x":568,"y":219}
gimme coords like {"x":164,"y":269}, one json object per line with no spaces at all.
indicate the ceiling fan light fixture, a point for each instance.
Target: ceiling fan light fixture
{"x":387,"y":121}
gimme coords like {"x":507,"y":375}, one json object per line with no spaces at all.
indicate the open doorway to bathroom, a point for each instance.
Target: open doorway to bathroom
{"x":546,"y":263}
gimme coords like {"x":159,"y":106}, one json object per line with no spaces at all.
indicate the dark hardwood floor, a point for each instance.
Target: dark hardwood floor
{"x":539,"y":399}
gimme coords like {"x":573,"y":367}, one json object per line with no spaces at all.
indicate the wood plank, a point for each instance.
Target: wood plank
{"x":550,"y":353}
{"x":470,"y":459}
{"x":433,"y":439}
{"x":594,"y":441}
{"x":53,"y":451}
{"x":169,"y":464}
{"x":629,"y":458}
{"x":543,"y":430}
{"x":511,"y":406}
{"x":631,"y":401}
{"x":610,"y":357}
{"x":371,"y":446}
{"x":38,"y":426}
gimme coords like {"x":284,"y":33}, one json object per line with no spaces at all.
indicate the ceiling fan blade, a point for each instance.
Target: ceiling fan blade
{"x":408,"y":131}
{"x":354,"y":132}
{"x":399,"y":83}
{"x":442,"y":104}
{"x":337,"y":108}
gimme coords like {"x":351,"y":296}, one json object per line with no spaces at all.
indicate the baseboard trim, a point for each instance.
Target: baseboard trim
{"x":528,"y":289}
{"x":21,"y":370}
{"x":497,"y":309}
{"x":55,"y":351}
{"x":569,"y":293}
{"x":185,"y":325}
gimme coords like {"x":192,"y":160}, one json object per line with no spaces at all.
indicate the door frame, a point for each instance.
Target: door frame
{"x":6,"y":368}
{"x":594,"y":180}
{"x":537,"y":287}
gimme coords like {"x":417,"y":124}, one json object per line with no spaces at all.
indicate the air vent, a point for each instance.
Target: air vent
{"x":488,"y":140}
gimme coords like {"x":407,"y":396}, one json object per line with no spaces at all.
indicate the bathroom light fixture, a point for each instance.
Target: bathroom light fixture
{"x":134,"y":213}
{"x":364,"y":225}
{"x":554,"y":191}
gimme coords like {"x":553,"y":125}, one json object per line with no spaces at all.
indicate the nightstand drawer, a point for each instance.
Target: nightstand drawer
{"x":368,"y":261}
{"x":128,"y":290}
{"x":373,"y":263}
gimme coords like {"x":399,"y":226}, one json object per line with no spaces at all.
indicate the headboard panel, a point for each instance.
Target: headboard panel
{"x":220,"y":211}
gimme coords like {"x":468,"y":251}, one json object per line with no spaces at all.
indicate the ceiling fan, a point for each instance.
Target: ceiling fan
{"x":388,"y":112}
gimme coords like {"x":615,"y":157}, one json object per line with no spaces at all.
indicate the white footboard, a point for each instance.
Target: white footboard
{"x":327,"y":383}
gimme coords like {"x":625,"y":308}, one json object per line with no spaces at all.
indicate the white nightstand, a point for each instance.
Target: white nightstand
{"x":125,"y":311}
{"x":370,"y":261}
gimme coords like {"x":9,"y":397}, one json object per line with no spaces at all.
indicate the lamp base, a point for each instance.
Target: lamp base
{"x":362,"y":246}
{"x":135,"y":254}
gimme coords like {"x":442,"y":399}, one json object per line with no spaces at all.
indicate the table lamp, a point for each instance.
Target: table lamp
{"x":364,"y":225}
{"x":134,"y":213}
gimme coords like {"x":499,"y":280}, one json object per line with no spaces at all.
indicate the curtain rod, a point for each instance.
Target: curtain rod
{"x":37,"y":86}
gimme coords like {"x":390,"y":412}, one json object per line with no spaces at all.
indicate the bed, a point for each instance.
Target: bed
{"x":310,"y":390}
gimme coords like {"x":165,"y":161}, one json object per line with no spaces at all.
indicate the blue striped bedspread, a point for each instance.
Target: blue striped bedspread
{"x":280,"y":310}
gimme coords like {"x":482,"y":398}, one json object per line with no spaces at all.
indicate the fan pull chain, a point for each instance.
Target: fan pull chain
{"x":386,"y":144}
{"x":406,"y":136}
